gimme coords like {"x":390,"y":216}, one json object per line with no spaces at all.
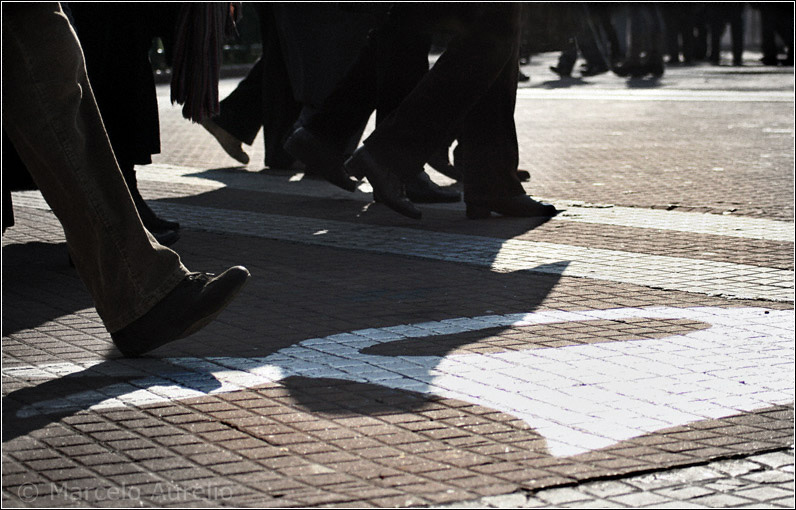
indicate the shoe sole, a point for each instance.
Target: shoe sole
{"x":480,"y":212}
{"x":237,"y":154}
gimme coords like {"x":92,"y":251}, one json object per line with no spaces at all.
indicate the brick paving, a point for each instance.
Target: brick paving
{"x":756,"y":481}
{"x":635,"y":351}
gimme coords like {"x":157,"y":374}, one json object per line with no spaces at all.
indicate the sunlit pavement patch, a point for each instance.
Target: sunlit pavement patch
{"x":713,"y":278}
{"x":732,"y":96}
{"x":579,"y":398}
{"x":690,"y":222}
{"x":672,"y":273}
{"x":598,"y":214}
{"x":605,"y":214}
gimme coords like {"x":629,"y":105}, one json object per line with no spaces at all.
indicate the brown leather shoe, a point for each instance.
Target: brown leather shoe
{"x":194,"y":303}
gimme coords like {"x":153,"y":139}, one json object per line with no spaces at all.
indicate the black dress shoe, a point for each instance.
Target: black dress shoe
{"x":422,"y":190}
{"x":320,"y":158}
{"x":561,"y":73}
{"x":165,"y":231}
{"x":193,"y":303}
{"x":593,"y":70}
{"x":521,"y":206}
{"x":627,"y":68}
{"x":386,"y":184}
{"x":157,"y":224}
{"x":151,"y":221}
{"x":656,"y":67}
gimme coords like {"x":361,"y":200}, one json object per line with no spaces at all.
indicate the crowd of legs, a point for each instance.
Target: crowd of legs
{"x":80,"y":112}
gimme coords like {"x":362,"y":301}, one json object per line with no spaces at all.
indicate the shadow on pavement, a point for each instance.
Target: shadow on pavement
{"x":77,"y":392}
{"x":327,"y":203}
{"x":32,"y":408}
{"x":644,"y":83}
{"x":562,"y":83}
{"x":304,"y":286}
{"x":428,"y":351}
{"x":32,"y":271}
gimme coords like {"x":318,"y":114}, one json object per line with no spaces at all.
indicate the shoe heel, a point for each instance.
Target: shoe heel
{"x":477,"y":212}
{"x":354,"y":167}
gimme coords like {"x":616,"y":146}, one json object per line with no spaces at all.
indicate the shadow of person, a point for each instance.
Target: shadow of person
{"x":311,"y":291}
{"x":112,"y":383}
{"x":31,"y":408}
{"x":242,"y":177}
{"x":647,"y":82}
{"x":563,"y":83}
{"x":319,"y":205}
{"x":35,"y":269}
{"x":415,"y":351}
{"x":282,"y":186}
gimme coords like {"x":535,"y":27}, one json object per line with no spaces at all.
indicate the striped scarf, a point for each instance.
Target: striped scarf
{"x":196,"y":69}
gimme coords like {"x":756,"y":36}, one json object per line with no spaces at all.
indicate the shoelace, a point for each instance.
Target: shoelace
{"x":200,"y":276}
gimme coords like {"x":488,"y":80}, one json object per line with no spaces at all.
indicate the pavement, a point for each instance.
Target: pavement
{"x":637,"y":350}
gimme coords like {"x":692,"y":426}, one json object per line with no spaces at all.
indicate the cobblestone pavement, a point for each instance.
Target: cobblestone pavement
{"x":637,"y":350}
{"x":756,"y":481}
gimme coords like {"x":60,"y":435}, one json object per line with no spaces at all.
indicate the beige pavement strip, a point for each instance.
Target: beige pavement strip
{"x":694,"y":223}
{"x":671,"y":273}
{"x":734,"y":96}
{"x":690,"y":222}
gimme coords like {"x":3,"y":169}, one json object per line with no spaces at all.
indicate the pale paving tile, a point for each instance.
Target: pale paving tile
{"x":696,"y":223}
{"x":691,"y":275}
{"x":722,"y":500}
{"x":507,"y":501}
{"x":561,"y":496}
{"x":774,"y":459}
{"x":663,"y":94}
{"x":578,"y":420}
{"x":721,"y":483}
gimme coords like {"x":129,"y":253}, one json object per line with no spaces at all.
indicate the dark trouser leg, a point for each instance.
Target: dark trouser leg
{"x":716,"y":31}
{"x":51,"y":117}
{"x":241,"y":111}
{"x":567,"y":58}
{"x":430,"y":114}
{"x":488,"y":149}
{"x":350,"y":104}
{"x":263,"y":99}
{"x":280,"y":110}
{"x":737,"y":34}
